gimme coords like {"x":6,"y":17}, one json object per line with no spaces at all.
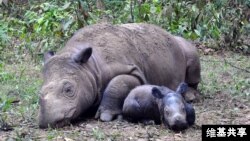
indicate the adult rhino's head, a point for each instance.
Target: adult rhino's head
{"x":68,"y":89}
{"x":176,"y":113}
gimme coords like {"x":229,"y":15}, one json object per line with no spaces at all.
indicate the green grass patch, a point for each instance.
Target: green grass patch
{"x":19,"y":84}
{"x":225,"y":73}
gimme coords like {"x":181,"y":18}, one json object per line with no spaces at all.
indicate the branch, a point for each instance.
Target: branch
{"x":226,"y":62}
{"x":80,"y":12}
{"x":131,"y":11}
{"x":235,"y":66}
{"x":90,"y":8}
{"x":101,"y":6}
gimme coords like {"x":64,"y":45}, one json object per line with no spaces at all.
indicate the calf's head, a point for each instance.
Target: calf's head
{"x":176,"y":113}
{"x":68,"y":87}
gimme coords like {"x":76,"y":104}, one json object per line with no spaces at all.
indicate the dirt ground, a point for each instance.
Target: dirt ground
{"x":222,"y":101}
{"x":210,"y":110}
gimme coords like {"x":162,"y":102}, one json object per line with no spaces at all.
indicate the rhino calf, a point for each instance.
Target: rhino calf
{"x":151,"y":102}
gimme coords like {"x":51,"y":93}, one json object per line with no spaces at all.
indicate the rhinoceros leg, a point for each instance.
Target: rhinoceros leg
{"x":114,"y":96}
{"x":193,"y":78}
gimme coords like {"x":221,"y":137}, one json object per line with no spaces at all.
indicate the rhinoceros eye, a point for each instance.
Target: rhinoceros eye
{"x":68,"y":89}
{"x":183,"y":109}
{"x":166,"y":111}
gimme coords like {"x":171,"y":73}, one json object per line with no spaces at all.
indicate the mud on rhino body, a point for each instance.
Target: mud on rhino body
{"x":101,"y":63}
{"x":159,"y":103}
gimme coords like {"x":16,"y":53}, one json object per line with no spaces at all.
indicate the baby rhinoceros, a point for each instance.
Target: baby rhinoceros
{"x":159,"y":103}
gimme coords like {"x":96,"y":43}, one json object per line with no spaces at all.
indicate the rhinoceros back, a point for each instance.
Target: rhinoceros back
{"x":149,"y":47}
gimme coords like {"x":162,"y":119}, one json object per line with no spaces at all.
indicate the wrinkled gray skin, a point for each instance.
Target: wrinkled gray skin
{"x":151,"y":102}
{"x":101,"y":63}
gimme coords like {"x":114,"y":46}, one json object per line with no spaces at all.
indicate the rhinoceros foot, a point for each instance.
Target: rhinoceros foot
{"x":106,"y":117}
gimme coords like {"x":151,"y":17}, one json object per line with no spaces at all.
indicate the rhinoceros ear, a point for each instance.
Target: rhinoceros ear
{"x":83,"y":55}
{"x":190,"y":114}
{"x":182,"y":88}
{"x":48,"y":55}
{"x":157,"y":93}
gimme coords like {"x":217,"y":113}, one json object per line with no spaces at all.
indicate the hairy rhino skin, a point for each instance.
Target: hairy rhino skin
{"x":101,"y":63}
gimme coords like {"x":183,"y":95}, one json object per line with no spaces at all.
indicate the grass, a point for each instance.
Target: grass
{"x":225,"y":92}
{"x":221,"y":73}
{"x":19,"y":99}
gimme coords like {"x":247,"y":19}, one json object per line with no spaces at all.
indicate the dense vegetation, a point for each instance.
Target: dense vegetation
{"x":28,"y":28}
{"x":31,"y":27}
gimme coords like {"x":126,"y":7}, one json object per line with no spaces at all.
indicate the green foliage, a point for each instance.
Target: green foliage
{"x":4,"y":38}
{"x":4,"y":76}
{"x":34,"y":27}
{"x":198,"y":19}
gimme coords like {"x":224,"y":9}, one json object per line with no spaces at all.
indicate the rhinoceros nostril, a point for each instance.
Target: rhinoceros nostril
{"x":179,"y":126}
{"x":177,"y":119}
{"x":60,"y":123}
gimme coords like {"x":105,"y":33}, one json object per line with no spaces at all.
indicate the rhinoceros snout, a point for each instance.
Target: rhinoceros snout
{"x":43,"y":123}
{"x":55,"y":113}
{"x":49,"y":114}
{"x":179,"y":125}
{"x":51,"y":120}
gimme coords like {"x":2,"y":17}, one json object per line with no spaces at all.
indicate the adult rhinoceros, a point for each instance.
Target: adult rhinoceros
{"x":101,"y":63}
